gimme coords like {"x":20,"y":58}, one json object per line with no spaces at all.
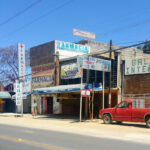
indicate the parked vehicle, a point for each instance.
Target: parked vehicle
{"x":127,"y":110}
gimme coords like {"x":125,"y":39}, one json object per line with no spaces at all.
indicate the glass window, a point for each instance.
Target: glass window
{"x":124,"y":104}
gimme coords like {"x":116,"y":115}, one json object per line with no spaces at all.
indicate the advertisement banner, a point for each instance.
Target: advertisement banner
{"x":21,"y":61}
{"x":137,"y":66}
{"x":42,"y":70}
{"x":94,"y":63}
{"x":84,"y":34}
{"x":42,"y":81}
{"x":70,"y":71}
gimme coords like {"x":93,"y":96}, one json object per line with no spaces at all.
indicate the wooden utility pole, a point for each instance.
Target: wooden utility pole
{"x":93,"y":99}
{"x":110,"y":56}
{"x":57,"y":69}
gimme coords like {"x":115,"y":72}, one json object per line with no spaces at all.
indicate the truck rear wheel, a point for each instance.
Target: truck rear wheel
{"x":148,"y":122}
{"x":107,"y":119}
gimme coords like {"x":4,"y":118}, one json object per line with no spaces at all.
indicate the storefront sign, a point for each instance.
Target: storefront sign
{"x":21,"y":59}
{"x":137,"y":66}
{"x":85,"y":93}
{"x":94,"y":63}
{"x":70,"y":71}
{"x":43,"y":81}
{"x":67,"y":46}
{"x":18,"y":92}
{"x":84,"y":34}
{"x":42,"y":68}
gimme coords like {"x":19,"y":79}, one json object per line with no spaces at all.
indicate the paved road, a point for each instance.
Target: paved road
{"x":18,"y":138}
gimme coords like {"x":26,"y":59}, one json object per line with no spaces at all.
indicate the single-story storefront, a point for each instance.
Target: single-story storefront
{"x":65,"y":99}
{"x":6,"y":103}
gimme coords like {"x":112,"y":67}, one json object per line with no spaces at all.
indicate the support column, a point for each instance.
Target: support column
{"x":119,"y":77}
{"x":86,"y":107}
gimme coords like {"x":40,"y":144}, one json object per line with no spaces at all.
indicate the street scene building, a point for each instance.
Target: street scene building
{"x":56,"y":79}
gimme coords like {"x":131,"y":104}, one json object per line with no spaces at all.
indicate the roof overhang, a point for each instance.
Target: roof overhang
{"x":66,"y":89}
{"x":5,"y":95}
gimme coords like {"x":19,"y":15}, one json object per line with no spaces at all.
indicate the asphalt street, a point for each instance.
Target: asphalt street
{"x":18,"y":138}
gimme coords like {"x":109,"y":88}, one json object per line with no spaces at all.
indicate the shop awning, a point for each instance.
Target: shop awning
{"x":24,"y":95}
{"x":5,"y":95}
{"x":66,"y":88}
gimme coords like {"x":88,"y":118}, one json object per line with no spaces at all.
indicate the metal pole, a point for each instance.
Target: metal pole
{"x":103,"y":88}
{"x":81,"y":97}
{"x":110,"y":55}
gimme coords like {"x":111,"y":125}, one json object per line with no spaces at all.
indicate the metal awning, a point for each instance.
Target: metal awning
{"x":24,"y":95}
{"x":5,"y":95}
{"x":66,"y":88}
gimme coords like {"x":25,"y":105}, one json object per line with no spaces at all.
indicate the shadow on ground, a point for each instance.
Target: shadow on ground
{"x":128,"y":124}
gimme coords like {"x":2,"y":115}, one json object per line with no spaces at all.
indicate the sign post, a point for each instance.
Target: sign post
{"x":81,"y":97}
{"x":21,"y":64}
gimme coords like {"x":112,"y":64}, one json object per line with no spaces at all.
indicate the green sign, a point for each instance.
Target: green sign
{"x":137,"y":66}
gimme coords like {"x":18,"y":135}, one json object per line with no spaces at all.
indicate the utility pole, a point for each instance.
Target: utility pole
{"x":110,"y":56}
{"x":57,"y":69}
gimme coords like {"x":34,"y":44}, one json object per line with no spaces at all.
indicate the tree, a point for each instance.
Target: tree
{"x":9,"y":64}
{"x":146,"y":48}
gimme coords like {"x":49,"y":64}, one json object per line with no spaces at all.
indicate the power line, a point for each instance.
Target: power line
{"x":106,"y":51}
{"x":125,"y":27}
{"x":122,"y":48}
{"x":19,"y":13}
{"x":41,"y":17}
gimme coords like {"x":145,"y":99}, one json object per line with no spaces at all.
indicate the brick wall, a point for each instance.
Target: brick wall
{"x":42,"y":54}
{"x":137,"y":84}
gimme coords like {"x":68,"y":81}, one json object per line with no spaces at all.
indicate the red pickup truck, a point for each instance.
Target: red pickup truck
{"x":127,"y":110}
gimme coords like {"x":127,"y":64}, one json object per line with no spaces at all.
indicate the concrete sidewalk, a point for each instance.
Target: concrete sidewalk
{"x":136,"y":132}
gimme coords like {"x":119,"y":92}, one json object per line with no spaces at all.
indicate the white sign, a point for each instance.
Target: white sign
{"x":21,"y":59}
{"x":26,"y":86}
{"x":94,"y":63}
{"x":67,"y":49}
{"x":84,"y":34}
{"x":137,"y":66}
{"x":18,"y":92}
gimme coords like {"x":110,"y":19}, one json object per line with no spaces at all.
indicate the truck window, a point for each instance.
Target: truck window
{"x":124,"y":104}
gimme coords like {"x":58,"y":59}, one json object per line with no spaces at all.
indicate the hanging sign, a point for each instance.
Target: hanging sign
{"x":94,"y":63}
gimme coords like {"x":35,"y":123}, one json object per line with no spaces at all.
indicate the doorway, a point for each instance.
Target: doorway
{"x":49,"y":105}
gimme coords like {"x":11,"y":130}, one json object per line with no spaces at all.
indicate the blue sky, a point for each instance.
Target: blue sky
{"x":122,"y":21}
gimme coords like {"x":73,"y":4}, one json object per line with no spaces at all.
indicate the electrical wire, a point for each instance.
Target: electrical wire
{"x":124,"y":28}
{"x":19,"y":13}
{"x":40,"y":17}
{"x":106,"y":51}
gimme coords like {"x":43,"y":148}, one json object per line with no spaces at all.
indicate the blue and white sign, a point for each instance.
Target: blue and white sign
{"x":94,"y":63}
{"x":18,"y":92}
{"x":67,"y":46}
{"x":21,"y":61}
